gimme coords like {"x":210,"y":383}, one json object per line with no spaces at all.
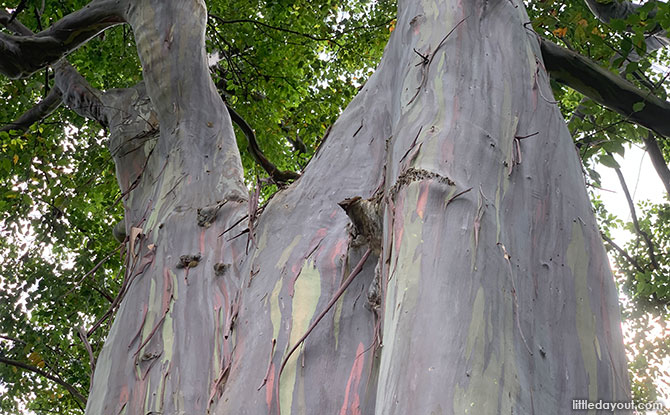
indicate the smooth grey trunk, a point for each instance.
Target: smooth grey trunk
{"x":496,"y":294}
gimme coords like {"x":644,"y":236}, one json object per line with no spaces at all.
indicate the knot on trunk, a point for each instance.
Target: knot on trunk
{"x":366,"y":216}
{"x":189,"y":261}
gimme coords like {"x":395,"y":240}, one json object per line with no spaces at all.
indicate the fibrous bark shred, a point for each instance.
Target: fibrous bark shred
{"x":189,"y":261}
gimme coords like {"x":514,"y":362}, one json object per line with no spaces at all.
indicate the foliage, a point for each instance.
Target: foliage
{"x":599,"y":134}
{"x":288,"y":68}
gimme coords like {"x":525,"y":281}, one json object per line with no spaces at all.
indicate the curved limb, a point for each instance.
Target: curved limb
{"x":21,"y":56}
{"x":70,"y":88}
{"x":605,"y":88}
{"x":279,"y":176}
{"x":36,"y":113}
{"x":657,"y":159}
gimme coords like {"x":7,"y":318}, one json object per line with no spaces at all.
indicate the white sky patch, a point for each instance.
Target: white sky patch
{"x":643,"y":183}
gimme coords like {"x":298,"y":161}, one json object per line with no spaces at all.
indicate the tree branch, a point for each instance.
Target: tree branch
{"x":74,"y":91}
{"x":84,"y":338}
{"x":21,"y":56}
{"x":280,"y":29}
{"x":606,"y":88}
{"x":612,"y":10}
{"x":657,"y":159}
{"x":19,"y":9}
{"x":623,"y":253}
{"x":14,"y":25}
{"x":636,"y":223}
{"x":71,"y":389}
{"x":279,"y":176}
{"x":621,"y":9}
{"x":36,"y":113}
{"x":78,"y":94}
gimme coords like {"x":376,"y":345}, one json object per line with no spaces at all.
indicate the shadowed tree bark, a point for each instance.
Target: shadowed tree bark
{"x":606,"y":88}
{"x":490,"y":291}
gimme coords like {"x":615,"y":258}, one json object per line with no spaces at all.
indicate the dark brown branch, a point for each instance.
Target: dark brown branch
{"x":655,"y":153}
{"x":13,"y":25}
{"x":37,"y":113}
{"x":280,"y":29}
{"x":93,"y":270}
{"x":71,"y":389}
{"x":74,"y":91}
{"x":21,"y":56}
{"x":605,"y":87}
{"x":279,"y":176}
{"x":84,"y":338}
{"x":12,"y":339}
{"x":19,"y":9}
{"x":623,"y":253}
{"x":103,"y":293}
{"x":636,"y":223}
{"x":657,"y":159}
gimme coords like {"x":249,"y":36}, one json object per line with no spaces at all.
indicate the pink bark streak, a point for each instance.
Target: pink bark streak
{"x":354,"y":407}
{"x":138,"y":395}
{"x":167,"y":288}
{"x":123,"y":399}
{"x":269,"y":387}
{"x":423,"y":199}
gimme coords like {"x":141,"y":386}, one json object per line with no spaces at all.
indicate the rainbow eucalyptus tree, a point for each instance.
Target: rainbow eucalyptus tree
{"x":449,"y":190}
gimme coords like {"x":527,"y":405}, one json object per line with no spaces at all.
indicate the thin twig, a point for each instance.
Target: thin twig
{"x":633,"y":215}
{"x":280,"y":29}
{"x":623,"y":253}
{"x":93,"y":270}
{"x":426,"y":61}
{"x":81,"y":399}
{"x":84,"y":338}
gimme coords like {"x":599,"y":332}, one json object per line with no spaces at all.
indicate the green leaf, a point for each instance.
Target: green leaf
{"x":608,"y":160}
{"x":638,"y":106}
{"x":618,"y":25}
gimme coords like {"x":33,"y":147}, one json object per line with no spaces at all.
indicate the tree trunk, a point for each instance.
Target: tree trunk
{"x":496,"y":294}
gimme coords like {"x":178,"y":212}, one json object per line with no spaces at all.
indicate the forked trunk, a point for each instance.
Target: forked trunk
{"x":496,"y":294}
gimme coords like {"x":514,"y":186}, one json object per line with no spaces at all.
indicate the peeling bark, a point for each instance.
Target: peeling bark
{"x":77,"y":94}
{"x":522,"y":321}
{"x":496,"y":294}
